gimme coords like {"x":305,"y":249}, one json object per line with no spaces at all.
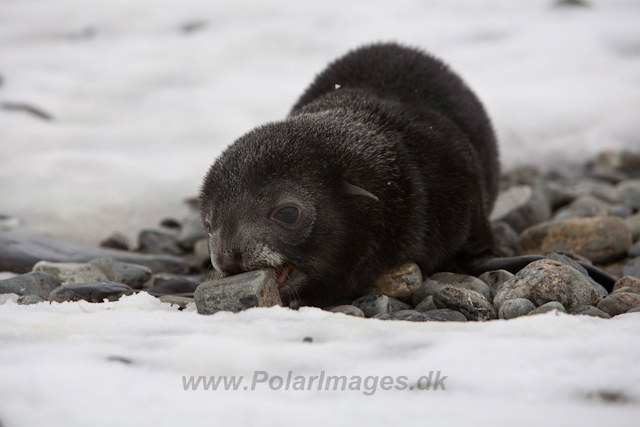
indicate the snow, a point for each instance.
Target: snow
{"x":142,"y":108}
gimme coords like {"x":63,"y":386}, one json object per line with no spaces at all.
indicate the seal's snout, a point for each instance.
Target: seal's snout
{"x":230,"y":262}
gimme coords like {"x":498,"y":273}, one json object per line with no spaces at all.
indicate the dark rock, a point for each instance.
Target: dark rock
{"x":609,"y":175}
{"x":628,"y":282}
{"x":347,"y":309}
{"x":620,"y":160}
{"x":307,"y":339}
{"x":470,"y":303}
{"x":240,"y":292}
{"x":559,"y":195}
{"x":427,"y":304}
{"x":572,"y":263}
{"x":191,"y":231}
{"x":123,"y":272}
{"x":547,"y":280}
{"x":632,"y":268}
{"x":92,"y":292}
{"x":582,"y":207}
{"x":506,"y":239}
{"x":116,"y":241}
{"x":619,"y":302}
{"x":173,"y":285}
{"x":521,"y":207}
{"x":495,"y":278}
{"x":444,"y":315}
{"x":589,"y":310}
{"x":181,"y":302}
{"x":20,"y":252}
{"x":36,"y":283}
{"x":372,"y":304}
{"x":515,"y":308}
{"x":600,"y":239}
{"x":439,"y":280}
{"x":397,"y":305}
{"x":158,"y":242}
{"x":545,"y":308}
{"x":401,"y":282}
{"x":29,"y":299}
{"x":170,"y":223}
{"x":72,"y":272}
{"x":628,"y":193}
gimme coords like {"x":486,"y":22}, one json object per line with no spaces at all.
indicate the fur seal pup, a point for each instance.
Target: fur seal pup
{"x":388,"y":157}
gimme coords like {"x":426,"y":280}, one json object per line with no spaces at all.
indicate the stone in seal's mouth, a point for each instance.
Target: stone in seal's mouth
{"x":282,"y":273}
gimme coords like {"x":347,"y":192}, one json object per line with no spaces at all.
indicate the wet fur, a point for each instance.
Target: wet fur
{"x":391,"y":120}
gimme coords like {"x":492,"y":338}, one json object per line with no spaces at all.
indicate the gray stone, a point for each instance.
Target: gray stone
{"x":123,"y":272}
{"x":632,"y":268}
{"x":29,"y":299}
{"x":619,"y":302}
{"x":470,"y":303}
{"x":446,"y":315}
{"x":515,"y":308}
{"x":35,"y":283}
{"x":621,"y":160}
{"x":92,"y":292}
{"x":632,"y":284}
{"x":169,"y":285}
{"x":494,"y":279}
{"x":439,"y":280}
{"x":521,"y":207}
{"x":372,"y":304}
{"x":397,"y":305}
{"x":600,"y":239}
{"x":158,"y":242}
{"x":72,"y":272}
{"x":584,"y":206}
{"x":348,"y":310}
{"x":191,"y":231}
{"x":589,"y":310}
{"x":634,"y":310}
{"x":240,"y":292}
{"x":20,"y":252}
{"x":443,"y":315}
{"x":181,"y":302}
{"x":628,"y":193}
{"x":633,"y":222}
{"x":572,"y":263}
{"x":547,"y":280}
{"x":401,"y":282}
{"x":545,"y":308}
{"x":559,"y":195}
{"x":427,"y":304}
{"x":506,"y":239}
{"x":621,"y":211}
{"x":383,"y":316}
{"x":116,"y":241}
{"x":634,"y":251}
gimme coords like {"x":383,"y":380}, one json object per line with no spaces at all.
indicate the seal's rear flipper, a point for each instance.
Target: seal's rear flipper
{"x":517,"y":263}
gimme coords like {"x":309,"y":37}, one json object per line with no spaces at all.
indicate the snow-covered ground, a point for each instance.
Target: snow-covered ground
{"x":141,"y":108}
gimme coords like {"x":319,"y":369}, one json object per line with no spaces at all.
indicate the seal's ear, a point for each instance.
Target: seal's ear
{"x":357,"y":191}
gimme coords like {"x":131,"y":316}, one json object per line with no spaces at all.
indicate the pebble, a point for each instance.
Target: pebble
{"x":170,"y":223}
{"x":181,"y":302}
{"x":443,"y":315}
{"x":36,"y":283}
{"x":506,"y":239}
{"x":547,"y":280}
{"x":545,"y":308}
{"x":627,"y":282}
{"x":515,"y":308}
{"x":634,"y":310}
{"x":621,"y":160}
{"x":427,"y":304}
{"x":440,"y":280}
{"x":599,"y":239}
{"x":634,"y":251}
{"x":158,"y":242}
{"x":372,"y":304}
{"x":397,"y":305}
{"x":116,"y":240}
{"x":619,"y":302}
{"x":589,"y":310}
{"x":191,"y":231}
{"x":401,"y":282}
{"x":348,"y":310}
{"x":470,"y":303}
{"x":20,"y":252}
{"x":572,"y":263}
{"x":633,"y":222}
{"x":584,"y":206}
{"x":123,"y":272}
{"x":628,"y":193}
{"x":240,"y":292}
{"x":559,"y":195}
{"x":632,"y":268}
{"x":72,"y":272}
{"x":92,"y":292}
{"x":521,"y":206}
{"x":29,"y":299}
{"x":170,"y":285}
{"x":494,"y":279}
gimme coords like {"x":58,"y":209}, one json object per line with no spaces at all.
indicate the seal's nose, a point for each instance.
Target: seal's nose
{"x":230,"y":262}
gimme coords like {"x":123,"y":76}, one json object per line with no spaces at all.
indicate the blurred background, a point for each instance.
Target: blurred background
{"x":111,"y":112}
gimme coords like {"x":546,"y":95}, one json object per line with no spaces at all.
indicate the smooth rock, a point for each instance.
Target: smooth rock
{"x":547,"y":280}
{"x":123,"y":272}
{"x":506,"y":239}
{"x":584,"y":206}
{"x":628,"y":193}
{"x":515,"y":308}
{"x":171,"y":285}
{"x":92,"y":292}
{"x":627,"y":282}
{"x":158,"y":242}
{"x":634,"y":251}
{"x":439,"y":280}
{"x":401,"y":282}
{"x":545,"y":308}
{"x":181,"y":302}
{"x":619,"y":302}
{"x":372,"y":304}
{"x":72,"y":272}
{"x":622,"y":160}
{"x":29,"y":299}
{"x":443,"y":315}
{"x":427,"y":304}
{"x":600,"y":239}
{"x":35,"y":283}
{"x":633,"y":222}
{"x":521,"y":207}
{"x":634,"y":310}
{"x":20,"y":252}
{"x":170,"y":223}
{"x":589,"y":310}
{"x":116,"y":241}
{"x":558,"y":195}
{"x":572,"y":263}
{"x":470,"y":303}
{"x":397,"y":305}
{"x":348,"y":310}
{"x":632,"y":268}
{"x":191,"y":231}
{"x":494,"y":279}
{"x":240,"y":292}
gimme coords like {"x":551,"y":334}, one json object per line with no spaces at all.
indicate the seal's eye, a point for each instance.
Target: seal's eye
{"x":287,"y":214}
